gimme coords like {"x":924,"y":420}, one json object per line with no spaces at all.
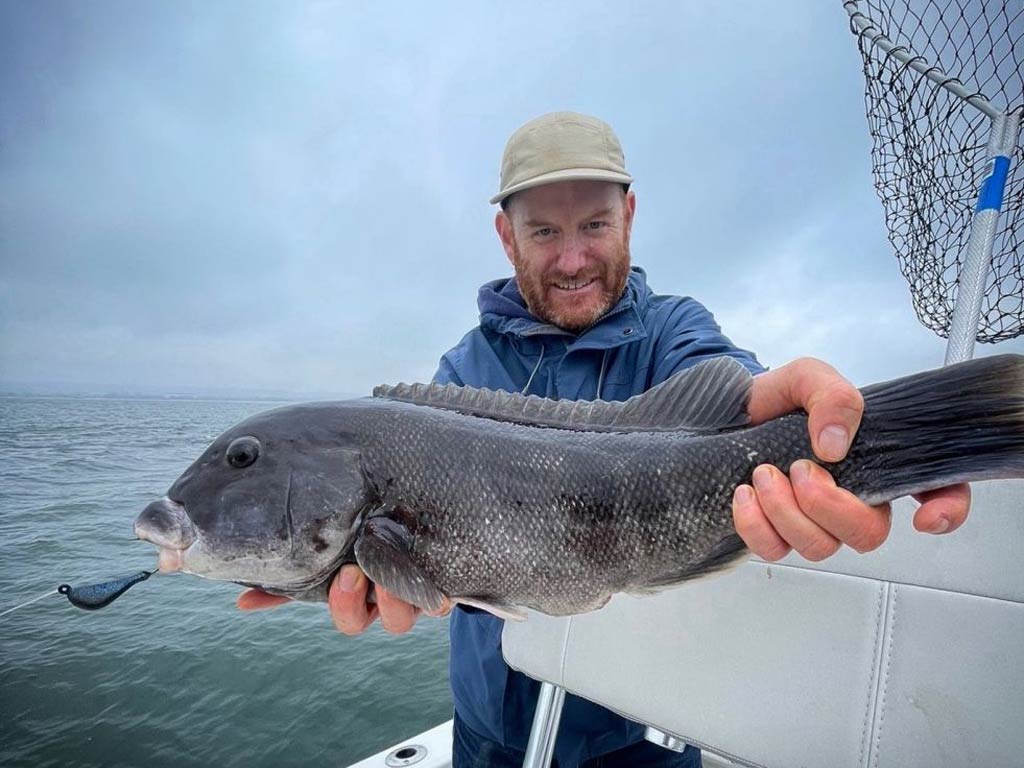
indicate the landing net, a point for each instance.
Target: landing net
{"x":929,"y":145}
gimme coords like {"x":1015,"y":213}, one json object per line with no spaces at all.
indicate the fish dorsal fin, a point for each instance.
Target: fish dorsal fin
{"x":708,"y":397}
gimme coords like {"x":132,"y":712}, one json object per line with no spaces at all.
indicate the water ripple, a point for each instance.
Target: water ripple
{"x":172,"y":674}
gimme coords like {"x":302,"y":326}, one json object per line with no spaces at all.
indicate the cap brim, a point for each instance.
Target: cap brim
{"x":569,"y":174}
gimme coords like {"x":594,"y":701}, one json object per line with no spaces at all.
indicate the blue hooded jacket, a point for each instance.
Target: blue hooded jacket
{"x":642,"y":341}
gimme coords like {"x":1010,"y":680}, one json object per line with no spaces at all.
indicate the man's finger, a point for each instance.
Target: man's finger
{"x":257,"y":600}
{"x":943,"y":510}
{"x":834,"y":406}
{"x":833,"y":417}
{"x":836,"y":510}
{"x":396,"y":615}
{"x":753,"y":527}
{"x":444,"y":610}
{"x":346,"y":599}
{"x":775,"y":495}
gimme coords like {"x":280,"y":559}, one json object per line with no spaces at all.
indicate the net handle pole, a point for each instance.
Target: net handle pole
{"x":864,"y":28}
{"x":963,"y":328}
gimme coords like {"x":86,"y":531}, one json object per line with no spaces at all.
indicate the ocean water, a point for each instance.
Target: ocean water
{"x":172,"y":674}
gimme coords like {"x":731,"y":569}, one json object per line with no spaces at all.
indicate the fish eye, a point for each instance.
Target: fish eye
{"x":243,"y":451}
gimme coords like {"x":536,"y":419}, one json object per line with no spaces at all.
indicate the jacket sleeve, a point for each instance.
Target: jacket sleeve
{"x":691,"y":335}
{"x":446,"y":370}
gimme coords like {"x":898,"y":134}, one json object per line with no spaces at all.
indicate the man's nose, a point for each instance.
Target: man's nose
{"x":574,"y":254}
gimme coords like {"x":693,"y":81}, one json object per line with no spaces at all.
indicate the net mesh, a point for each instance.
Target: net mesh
{"x":929,"y":148}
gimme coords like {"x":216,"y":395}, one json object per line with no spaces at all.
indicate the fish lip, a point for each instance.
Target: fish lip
{"x":165,"y":522}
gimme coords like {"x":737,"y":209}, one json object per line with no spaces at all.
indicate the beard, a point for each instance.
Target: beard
{"x":576,"y":317}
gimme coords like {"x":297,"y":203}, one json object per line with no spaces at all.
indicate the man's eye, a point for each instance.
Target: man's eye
{"x":595,"y":224}
{"x":543,"y":232}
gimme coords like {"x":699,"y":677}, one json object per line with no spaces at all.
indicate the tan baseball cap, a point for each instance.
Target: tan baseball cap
{"x":561,"y":146}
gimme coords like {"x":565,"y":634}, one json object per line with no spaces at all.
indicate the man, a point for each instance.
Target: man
{"x":579,"y":322}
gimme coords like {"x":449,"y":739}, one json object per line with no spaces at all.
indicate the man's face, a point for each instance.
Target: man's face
{"x":569,"y":244}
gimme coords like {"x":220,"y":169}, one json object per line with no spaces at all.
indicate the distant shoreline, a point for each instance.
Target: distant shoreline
{"x":177,"y":398}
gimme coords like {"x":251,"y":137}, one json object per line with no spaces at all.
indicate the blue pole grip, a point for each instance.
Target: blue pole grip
{"x":991,"y":196}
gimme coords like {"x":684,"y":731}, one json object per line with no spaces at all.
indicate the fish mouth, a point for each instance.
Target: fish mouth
{"x":166,"y":523}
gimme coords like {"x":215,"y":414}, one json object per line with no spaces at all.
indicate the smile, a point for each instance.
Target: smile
{"x":574,"y":285}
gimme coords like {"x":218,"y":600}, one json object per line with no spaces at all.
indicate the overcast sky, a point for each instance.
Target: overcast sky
{"x":258,"y":198}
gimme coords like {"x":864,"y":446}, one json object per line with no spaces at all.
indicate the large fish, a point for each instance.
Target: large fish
{"x":504,"y":502}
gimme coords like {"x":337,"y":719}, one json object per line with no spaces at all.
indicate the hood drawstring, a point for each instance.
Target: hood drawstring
{"x":540,"y":359}
{"x":600,"y":376}
{"x":536,"y":368}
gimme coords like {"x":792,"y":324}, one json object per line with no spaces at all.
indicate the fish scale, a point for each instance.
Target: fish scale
{"x":506,"y":502}
{"x":564,"y":499}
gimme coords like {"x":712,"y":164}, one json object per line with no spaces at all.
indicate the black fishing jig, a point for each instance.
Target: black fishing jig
{"x":92,"y":597}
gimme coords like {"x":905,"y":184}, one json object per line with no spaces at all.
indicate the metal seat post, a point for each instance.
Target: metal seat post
{"x":541,"y":748}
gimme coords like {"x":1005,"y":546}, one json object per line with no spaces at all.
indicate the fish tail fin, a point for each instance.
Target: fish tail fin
{"x":960,"y":423}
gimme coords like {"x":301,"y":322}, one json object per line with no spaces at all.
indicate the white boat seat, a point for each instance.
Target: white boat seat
{"x":908,"y":656}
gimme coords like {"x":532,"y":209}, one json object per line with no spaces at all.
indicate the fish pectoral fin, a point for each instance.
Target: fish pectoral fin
{"x":382,"y":551}
{"x":502,"y":610}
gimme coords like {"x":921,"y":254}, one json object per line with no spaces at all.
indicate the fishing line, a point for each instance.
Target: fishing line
{"x":91,"y":596}
{"x":28,"y":602}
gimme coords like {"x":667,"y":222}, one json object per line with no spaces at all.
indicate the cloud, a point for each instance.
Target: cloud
{"x":293,"y":197}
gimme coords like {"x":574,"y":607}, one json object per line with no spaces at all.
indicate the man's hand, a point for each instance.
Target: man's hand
{"x":347,"y":600}
{"x":806,"y":511}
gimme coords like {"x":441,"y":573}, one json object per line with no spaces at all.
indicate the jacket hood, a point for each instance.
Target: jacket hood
{"x":503,"y":310}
